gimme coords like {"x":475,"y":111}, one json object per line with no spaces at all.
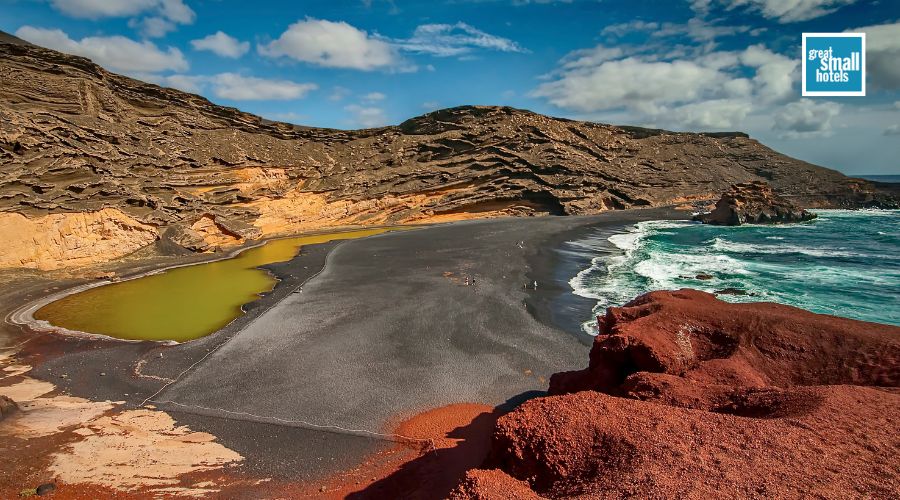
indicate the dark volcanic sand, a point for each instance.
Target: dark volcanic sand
{"x":383,"y":333}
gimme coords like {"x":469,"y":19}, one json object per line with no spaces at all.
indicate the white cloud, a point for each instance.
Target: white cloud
{"x":374,"y":96}
{"x":713,"y":114}
{"x":783,"y":11}
{"x":882,"y":54}
{"x":177,"y":11}
{"x":643,"y":85}
{"x":116,"y":53}
{"x":186,"y":83}
{"x":234,"y":86}
{"x":95,"y":9}
{"x":338,"y":93}
{"x":367,"y":117}
{"x":635,"y":26}
{"x":289,"y":117}
{"x":806,"y":118}
{"x":247,"y":88}
{"x":715,"y":89}
{"x":173,"y":10}
{"x":152,"y":27}
{"x":892,"y":130}
{"x":445,"y":40}
{"x":775,"y":73}
{"x":331,"y":44}
{"x":222,"y":44}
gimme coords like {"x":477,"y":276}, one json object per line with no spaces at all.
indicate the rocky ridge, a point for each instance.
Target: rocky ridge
{"x":75,"y":138}
{"x":687,"y":396}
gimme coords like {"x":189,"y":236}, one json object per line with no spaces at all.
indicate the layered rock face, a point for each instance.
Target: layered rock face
{"x":753,"y":203}
{"x":77,"y":138}
{"x":71,"y":239}
{"x":687,"y":396}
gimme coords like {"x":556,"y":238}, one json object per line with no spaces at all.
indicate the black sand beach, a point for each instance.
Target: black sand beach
{"x":311,"y":379}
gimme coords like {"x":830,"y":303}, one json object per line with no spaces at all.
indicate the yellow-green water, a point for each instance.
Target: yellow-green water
{"x":182,"y":303}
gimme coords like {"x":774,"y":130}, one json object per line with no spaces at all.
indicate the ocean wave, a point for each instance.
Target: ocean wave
{"x":846,"y":268}
{"x":723,"y":245}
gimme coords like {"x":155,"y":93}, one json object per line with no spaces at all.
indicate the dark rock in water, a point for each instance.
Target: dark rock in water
{"x":7,"y":407}
{"x":753,"y":203}
{"x":45,"y":489}
{"x":704,"y":276}
{"x":732,"y":291}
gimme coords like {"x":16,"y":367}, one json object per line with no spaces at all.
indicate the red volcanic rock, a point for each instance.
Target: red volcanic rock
{"x":753,"y":203}
{"x":841,"y":442}
{"x":694,"y":335}
{"x":701,"y":398}
{"x":492,"y":484}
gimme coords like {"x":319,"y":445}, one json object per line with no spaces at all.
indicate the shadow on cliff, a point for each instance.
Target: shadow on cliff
{"x":437,"y":471}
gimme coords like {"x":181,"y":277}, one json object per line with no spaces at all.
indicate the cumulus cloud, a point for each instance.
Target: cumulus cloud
{"x":331,"y":44}
{"x":162,"y":16}
{"x":444,"y":40}
{"x":247,"y":88}
{"x":234,"y":86}
{"x":367,"y":116}
{"x":186,"y":83}
{"x":152,"y":27}
{"x":882,"y":54}
{"x":116,"y":53}
{"x":95,"y":9}
{"x":222,"y":44}
{"x":714,"y":89}
{"x":713,"y":114}
{"x":337,"y":44}
{"x":775,"y":73}
{"x":806,"y":118}
{"x":643,"y":85}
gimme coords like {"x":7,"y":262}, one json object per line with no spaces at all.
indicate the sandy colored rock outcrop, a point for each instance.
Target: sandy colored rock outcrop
{"x":70,"y":239}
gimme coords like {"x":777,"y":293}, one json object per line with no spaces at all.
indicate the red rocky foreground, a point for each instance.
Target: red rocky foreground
{"x":689,"y":396}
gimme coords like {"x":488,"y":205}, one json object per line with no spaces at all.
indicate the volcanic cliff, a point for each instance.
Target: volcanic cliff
{"x":76,"y":139}
{"x":687,"y":396}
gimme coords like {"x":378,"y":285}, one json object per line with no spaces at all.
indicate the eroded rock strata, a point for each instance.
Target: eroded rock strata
{"x":75,"y":138}
{"x":753,"y":203}
{"x":687,"y":396}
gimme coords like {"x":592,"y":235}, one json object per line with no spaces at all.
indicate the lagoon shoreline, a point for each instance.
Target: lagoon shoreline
{"x":542,"y":341}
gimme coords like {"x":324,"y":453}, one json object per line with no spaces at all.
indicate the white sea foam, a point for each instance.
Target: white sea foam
{"x":794,"y":267}
{"x":724,"y":245}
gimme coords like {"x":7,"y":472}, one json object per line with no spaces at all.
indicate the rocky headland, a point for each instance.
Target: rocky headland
{"x":688,"y":396}
{"x":753,"y":203}
{"x":87,"y":153}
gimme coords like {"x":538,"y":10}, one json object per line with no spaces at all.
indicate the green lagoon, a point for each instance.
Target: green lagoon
{"x":183,"y":303}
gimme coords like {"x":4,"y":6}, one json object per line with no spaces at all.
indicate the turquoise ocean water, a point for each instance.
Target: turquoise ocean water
{"x":845,"y":263}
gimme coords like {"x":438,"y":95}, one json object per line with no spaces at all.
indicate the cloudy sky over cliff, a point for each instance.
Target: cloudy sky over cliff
{"x":689,"y":65}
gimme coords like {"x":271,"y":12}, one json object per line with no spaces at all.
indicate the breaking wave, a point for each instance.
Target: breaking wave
{"x":845,"y":262}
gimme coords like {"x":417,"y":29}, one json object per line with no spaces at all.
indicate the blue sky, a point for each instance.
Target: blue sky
{"x":683,"y":65}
